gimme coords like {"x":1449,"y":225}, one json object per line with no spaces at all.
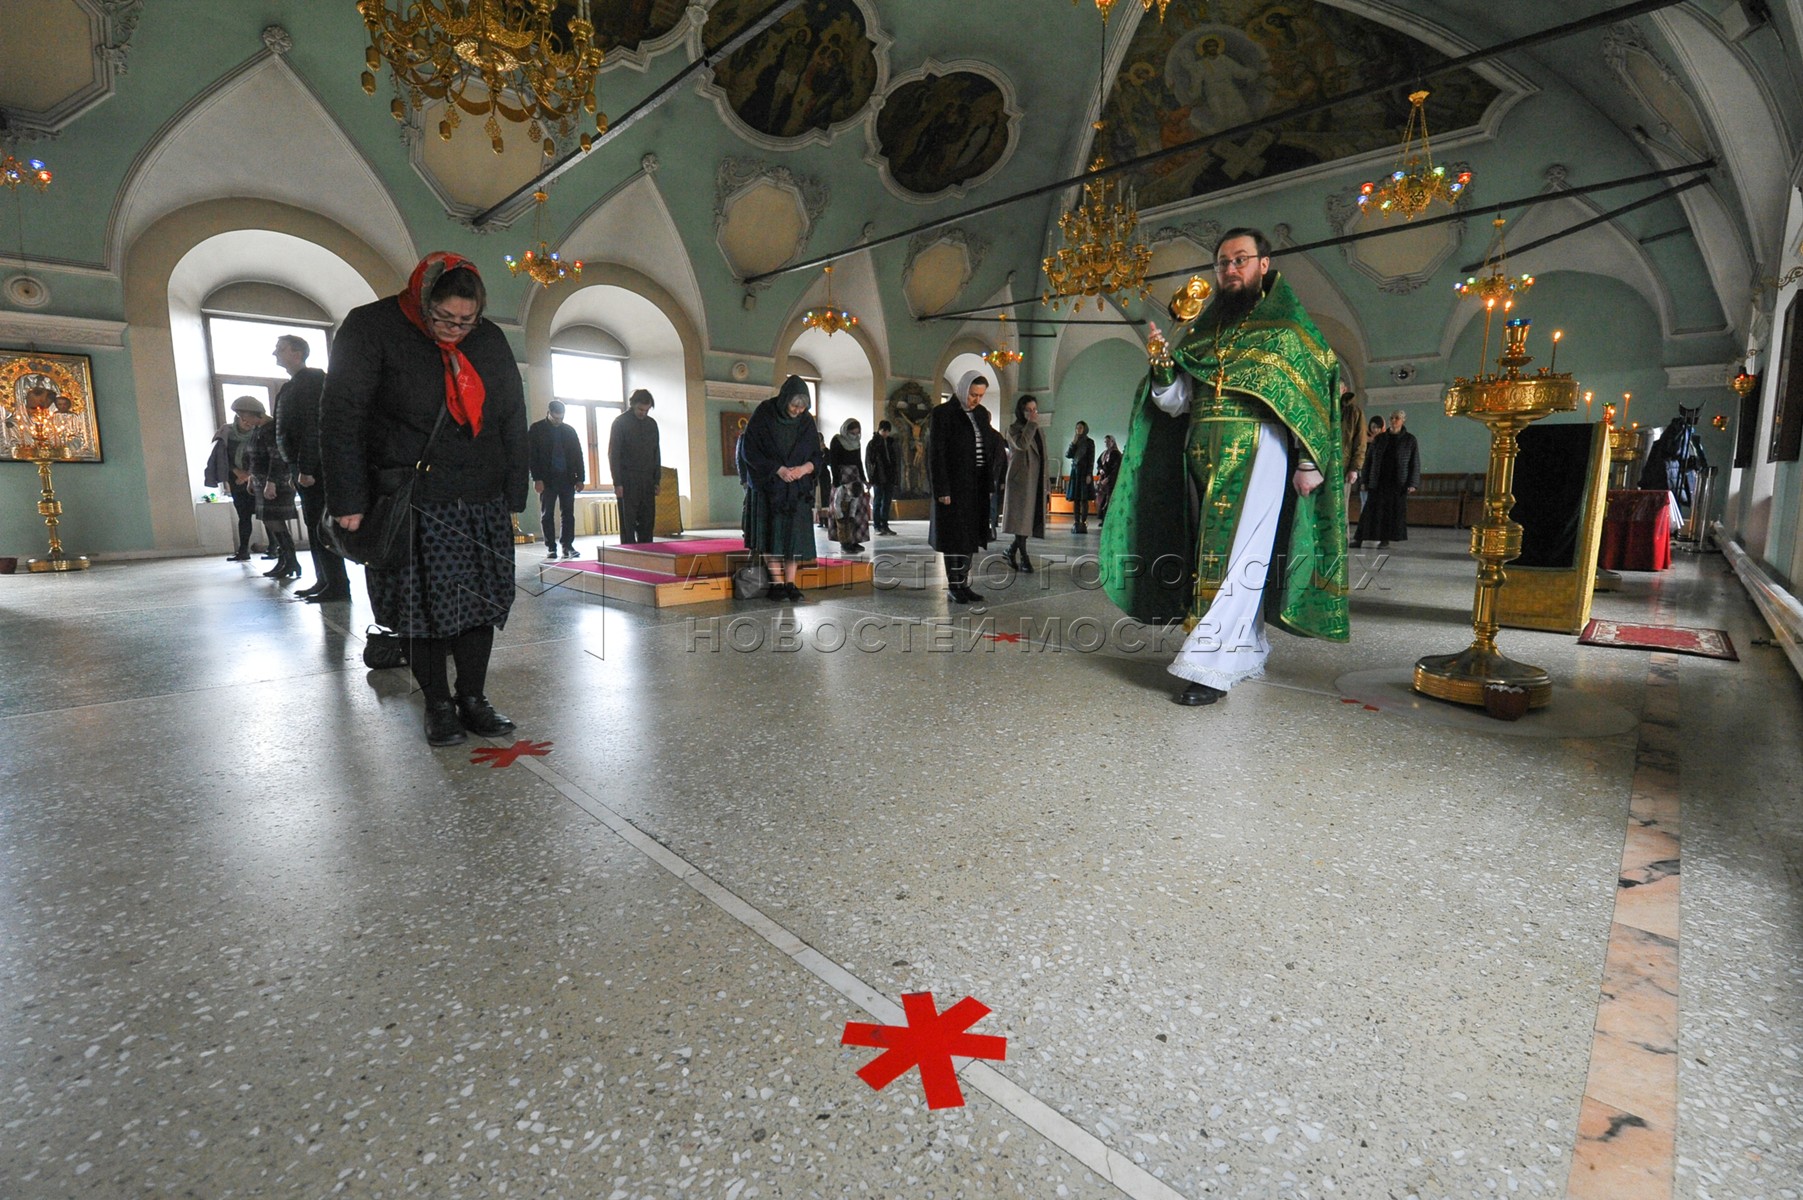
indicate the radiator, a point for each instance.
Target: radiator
{"x":598,"y":516}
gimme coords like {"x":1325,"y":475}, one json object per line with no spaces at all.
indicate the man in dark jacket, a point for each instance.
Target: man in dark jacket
{"x":964,"y":457}
{"x":297,"y":441}
{"x":634,"y":459}
{"x":882,"y":463}
{"x":556,"y":459}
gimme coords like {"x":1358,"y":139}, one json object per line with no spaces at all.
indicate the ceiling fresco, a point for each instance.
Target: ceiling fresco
{"x":810,"y":71}
{"x":1215,"y":64}
{"x":941,"y":131}
{"x":627,"y":24}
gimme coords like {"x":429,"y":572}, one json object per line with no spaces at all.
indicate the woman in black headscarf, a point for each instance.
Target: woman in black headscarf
{"x":422,"y":377}
{"x":782,"y":464}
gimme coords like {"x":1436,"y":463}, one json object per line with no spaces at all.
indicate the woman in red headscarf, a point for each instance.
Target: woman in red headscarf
{"x":421,"y":378}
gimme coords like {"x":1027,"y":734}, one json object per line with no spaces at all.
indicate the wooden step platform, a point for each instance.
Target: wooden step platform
{"x":654,"y":589}
{"x":690,"y":571}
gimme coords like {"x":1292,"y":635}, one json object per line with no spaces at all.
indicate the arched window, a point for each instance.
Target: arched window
{"x":588,"y":373}
{"x":241,"y":322}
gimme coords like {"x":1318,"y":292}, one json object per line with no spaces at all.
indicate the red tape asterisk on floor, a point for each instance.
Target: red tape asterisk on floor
{"x":930,"y":1040}
{"x":506,"y":756}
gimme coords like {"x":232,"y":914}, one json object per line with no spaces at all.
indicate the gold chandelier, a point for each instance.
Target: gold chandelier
{"x":1416,"y":183}
{"x":14,"y":172}
{"x":543,"y":266}
{"x":1099,"y":257}
{"x":1107,"y":6}
{"x":1495,"y":287}
{"x":1002,"y":358}
{"x":523,"y":60}
{"x":828,"y":320}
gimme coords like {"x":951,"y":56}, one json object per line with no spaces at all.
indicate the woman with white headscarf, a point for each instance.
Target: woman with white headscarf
{"x":848,"y":519}
{"x":965,"y":457}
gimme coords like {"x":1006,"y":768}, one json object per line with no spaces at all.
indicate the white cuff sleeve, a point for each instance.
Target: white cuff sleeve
{"x":1175,"y":398}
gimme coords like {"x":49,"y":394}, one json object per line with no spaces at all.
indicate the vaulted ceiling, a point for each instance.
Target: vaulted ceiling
{"x":853,"y":121}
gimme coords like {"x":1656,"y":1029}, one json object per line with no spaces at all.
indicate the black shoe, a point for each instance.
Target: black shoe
{"x":1082,"y":529}
{"x":303,"y":593}
{"x":480,"y":718}
{"x":1026,"y":562}
{"x":241,"y":556}
{"x":794,"y":594}
{"x":776,"y":591}
{"x":275,"y":572}
{"x":1197,"y":694}
{"x":551,"y":554}
{"x":1383,"y":545}
{"x":855,"y":548}
{"x":330,"y":596}
{"x":956,"y":595}
{"x":442,"y":726}
{"x":569,"y":552}
{"x":1357,"y":544}
{"x":270,"y":557}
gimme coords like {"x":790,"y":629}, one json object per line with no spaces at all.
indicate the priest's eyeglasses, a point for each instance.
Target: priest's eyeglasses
{"x":1223,"y":265}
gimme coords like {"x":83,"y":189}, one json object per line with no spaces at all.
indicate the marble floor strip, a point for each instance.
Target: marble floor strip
{"x":1108,"y":1163}
{"x":1628,"y":1119}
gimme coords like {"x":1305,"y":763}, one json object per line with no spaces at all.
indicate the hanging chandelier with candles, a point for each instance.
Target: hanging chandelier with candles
{"x":828,"y":320}
{"x":530,"y":62}
{"x":1099,"y":256}
{"x":1416,"y":183}
{"x":16,"y":172}
{"x":1001,"y":358}
{"x":543,"y":266}
{"x":1496,"y":287}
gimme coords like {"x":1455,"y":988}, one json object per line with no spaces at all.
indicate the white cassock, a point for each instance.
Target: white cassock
{"x":1228,"y":644}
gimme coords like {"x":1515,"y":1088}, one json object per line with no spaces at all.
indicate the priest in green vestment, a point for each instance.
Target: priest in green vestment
{"x":1231,"y":502}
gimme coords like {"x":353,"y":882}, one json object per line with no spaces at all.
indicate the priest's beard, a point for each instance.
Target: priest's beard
{"x":1236,"y":305}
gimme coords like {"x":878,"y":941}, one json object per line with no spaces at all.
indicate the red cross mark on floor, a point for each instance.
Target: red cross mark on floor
{"x":930,"y":1040}
{"x":1011,"y":638}
{"x":506,"y":756}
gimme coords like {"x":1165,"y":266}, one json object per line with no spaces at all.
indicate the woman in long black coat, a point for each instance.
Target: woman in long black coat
{"x":965,"y":457}
{"x":403,"y":367}
{"x":782,"y":465}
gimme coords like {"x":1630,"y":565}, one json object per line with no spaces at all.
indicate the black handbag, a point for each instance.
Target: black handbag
{"x":382,"y":649}
{"x":383,"y":540}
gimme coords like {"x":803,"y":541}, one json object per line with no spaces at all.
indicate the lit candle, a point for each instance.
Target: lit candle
{"x":1587,"y":398}
{"x":1608,"y":414}
{"x":1626,"y":397}
{"x":1554,"y":366}
{"x":1484,"y":357}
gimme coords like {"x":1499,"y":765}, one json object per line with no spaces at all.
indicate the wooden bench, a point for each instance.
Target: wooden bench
{"x":1450,"y":499}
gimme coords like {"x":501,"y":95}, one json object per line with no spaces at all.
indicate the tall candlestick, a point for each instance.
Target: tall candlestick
{"x":1489,"y":311}
{"x":1554,"y":365}
{"x":1626,"y":398}
{"x":1587,"y":397}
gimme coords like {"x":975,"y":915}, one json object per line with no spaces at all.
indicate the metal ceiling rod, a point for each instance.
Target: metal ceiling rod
{"x":643,"y":108}
{"x":1584,"y":25}
{"x":1613,"y":213}
{"x":1346,"y":238}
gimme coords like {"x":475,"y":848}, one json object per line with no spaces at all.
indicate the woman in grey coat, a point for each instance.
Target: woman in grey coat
{"x":1023,"y":494}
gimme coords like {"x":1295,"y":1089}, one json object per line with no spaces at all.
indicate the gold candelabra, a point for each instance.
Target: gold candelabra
{"x":15,"y":172}
{"x":1107,"y":6}
{"x":1507,"y":402}
{"x":531,"y":62}
{"x":1099,"y":256}
{"x":49,"y":443}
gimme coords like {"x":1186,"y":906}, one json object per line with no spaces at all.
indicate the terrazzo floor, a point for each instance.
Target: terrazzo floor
{"x":1319,"y":940}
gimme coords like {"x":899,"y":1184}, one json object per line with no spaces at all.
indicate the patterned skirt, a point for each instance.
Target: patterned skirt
{"x":460,"y":577}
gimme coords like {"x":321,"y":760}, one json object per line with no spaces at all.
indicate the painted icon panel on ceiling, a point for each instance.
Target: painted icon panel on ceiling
{"x":812,"y":70}
{"x":626,"y":24}
{"x":940,"y":131}
{"x":1215,"y":64}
